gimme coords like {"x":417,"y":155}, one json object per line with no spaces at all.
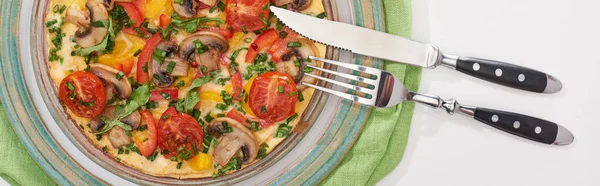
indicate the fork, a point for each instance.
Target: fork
{"x":383,"y":89}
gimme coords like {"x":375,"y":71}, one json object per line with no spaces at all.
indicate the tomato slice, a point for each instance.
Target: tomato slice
{"x":273,"y":96}
{"x":179,"y":130}
{"x":144,"y":57}
{"x":164,"y":20}
{"x":248,"y":14}
{"x":263,"y":41}
{"x":226,"y":33}
{"x":157,"y":95}
{"x":280,"y":47}
{"x":235,"y":115}
{"x":148,"y":146}
{"x":83,"y":93}
{"x":236,"y":82}
{"x":133,"y":12}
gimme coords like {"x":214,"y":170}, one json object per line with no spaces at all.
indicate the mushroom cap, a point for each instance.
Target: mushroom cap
{"x":187,"y":9}
{"x":288,"y":67}
{"x":296,"y":4}
{"x":87,"y":35}
{"x":158,"y":73}
{"x":118,"y":137}
{"x":239,"y":139}
{"x":216,"y":43}
{"x":121,"y":87}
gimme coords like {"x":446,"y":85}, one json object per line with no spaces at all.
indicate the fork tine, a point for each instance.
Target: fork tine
{"x":347,"y":85}
{"x":348,"y":76}
{"x":369,"y":70}
{"x":342,"y":95}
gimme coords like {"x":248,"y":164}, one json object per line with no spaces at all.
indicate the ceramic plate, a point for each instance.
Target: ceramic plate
{"x":306,"y":157}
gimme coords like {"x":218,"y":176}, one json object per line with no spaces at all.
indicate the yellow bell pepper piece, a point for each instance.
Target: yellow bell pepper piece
{"x":211,"y":95}
{"x":125,"y":46}
{"x":154,"y":8}
{"x":201,"y":161}
{"x":236,"y":39}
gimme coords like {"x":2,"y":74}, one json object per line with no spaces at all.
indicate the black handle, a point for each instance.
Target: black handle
{"x":525,"y":126}
{"x":508,"y":75}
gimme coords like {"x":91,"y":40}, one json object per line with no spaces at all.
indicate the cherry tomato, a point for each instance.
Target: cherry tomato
{"x":164,"y":20}
{"x":246,"y":14}
{"x":144,"y":57}
{"x":273,"y":96}
{"x":264,"y":40}
{"x":235,"y":115}
{"x":148,"y":146}
{"x":83,"y":93}
{"x":226,"y":33}
{"x":280,"y":47}
{"x":133,"y":12}
{"x":157,"y":94}
{"x":179,"y":130}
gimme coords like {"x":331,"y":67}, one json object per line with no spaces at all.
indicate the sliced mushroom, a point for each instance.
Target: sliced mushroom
{"x":108,"y":4}
{"x":187,"y":8}
{"x":217,"y":45}
{"x":297,"y":72}
{"x":97,"y":123}
{"x":88,"y":35}
{"x":295,"y":4}
{"x":240,"y":139}
{"x":122,"y":87}
{"x":118,"y":137}
{"x":134,"y":119}
{"x":161,"y":74}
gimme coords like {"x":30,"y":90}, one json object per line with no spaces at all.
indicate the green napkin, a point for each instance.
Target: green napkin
{"x":17,"y":167}
{"x":381,"y":144}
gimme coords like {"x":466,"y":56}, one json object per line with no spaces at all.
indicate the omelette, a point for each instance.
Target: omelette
{"x":181,"y":88}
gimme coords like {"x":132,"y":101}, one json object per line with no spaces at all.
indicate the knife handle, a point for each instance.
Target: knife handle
{"x":525,"y":126}
{"x":508,"y":75}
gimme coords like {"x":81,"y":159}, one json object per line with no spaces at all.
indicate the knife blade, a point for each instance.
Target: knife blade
{"x":389,"y":47}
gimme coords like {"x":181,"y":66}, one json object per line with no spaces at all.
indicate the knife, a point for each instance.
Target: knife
{"x":389,"y":47}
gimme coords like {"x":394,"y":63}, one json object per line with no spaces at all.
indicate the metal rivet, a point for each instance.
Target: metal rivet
{"x":495,"y":118}
{"x":521,"y":77}
{"x":538,"y":129}
{"x":498,"y":72}
{"x":476,"y":66}
{"x":516,"y":124}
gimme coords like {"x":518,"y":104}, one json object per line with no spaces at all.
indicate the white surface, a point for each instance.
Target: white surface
{"x":555,"y":36}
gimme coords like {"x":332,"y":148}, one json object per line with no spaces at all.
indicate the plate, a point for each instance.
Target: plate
{"x":306,"y":157}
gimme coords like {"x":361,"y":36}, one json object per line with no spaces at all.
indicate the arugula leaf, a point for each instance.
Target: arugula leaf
{"x":141,"y":94}
{"x":102,"y":45}
{"x":198,"y":82}
{"x":190,"y":101}
{"x":109,"y":124}
{"x":138,"y":98}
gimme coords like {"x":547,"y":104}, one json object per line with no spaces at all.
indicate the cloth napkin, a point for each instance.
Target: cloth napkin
{"x":376,"y":153}
{"x":381,"y":144}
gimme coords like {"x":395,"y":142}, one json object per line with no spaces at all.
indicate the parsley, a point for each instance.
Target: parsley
{"x":232,"y":165}
{"x":261,"y":58}
{"x":206,"y":143}
{"x":159,"y":55}
{"x":263,"y":109}
{"x":200,"y":48}
{"x":120,"y":75}
{"x":152,"y":156}
{"x":170,"y":67}
{"x":137,"y":52}
{"x":51,"y":22}
{"x":283,"y":34}
{"x":151,"y":105}
{"x":300,"y":96}
{"x":262,"y":152}
{"x":180,"y":84}
{"x":280,"y":89}
{"x":208,"y":117}
{"x":321,"y":15}
{"x":164,"y":117}
{"x":226,"y":97}
{"x":70,"y":86}
{"x":283,"y":130}
{"x":307,"y":69}
{"x":255,"y":126}
{"x":279,"y":25}
{"x":221,"y":106}
{"x":294,"y":44}
{"x":221,"y":6}
{"x":297,"y":62}
{"x":236,"y":53}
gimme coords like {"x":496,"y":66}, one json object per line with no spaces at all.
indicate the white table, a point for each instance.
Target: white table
{"x":555,"y":36}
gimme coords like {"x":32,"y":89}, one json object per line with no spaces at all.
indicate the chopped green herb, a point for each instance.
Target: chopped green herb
{"x":137,"y":52}
{"x":221,"y":106}
{"x":321,"y":15}
{"x":51,"y":22}
{"x":200,"y":48}
{"x":255,"y":126}
{"x":170,"y":67}
{"x":244,"y":30}
{"x":180,"y":84}
{"x":70,"y":86}
{"x":221,"y":6}
{"x":165,"y":95}
{"x":227,"y":99}
{"x":300,"y":96}
{"x":280,"y":89}
{"x":279,"y":25}
{"x":120,"y":75}
{"x":292,"y":93}
{"x":152,"y":156}
{"x":283,"y":130}
{"x":232,"y":165}
{"x":104,"y":149}
{"x":247,"y":40}
{"x":262,"y":152}
{"x":294,"y":44}
{"x":297,"y":62}
{"x":180,"y":2}
{"x":151,"y":105}
{"x":307,"y":69}
{"x":263,"y":109}
{"x":208,"y":117}
{"x":206,"y":143}
{"x":159,"y":55}
{"x":283,"y":34}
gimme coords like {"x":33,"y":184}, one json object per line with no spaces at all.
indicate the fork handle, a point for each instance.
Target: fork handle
{"x":528,"y":127}
{"x":532,"y":128}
